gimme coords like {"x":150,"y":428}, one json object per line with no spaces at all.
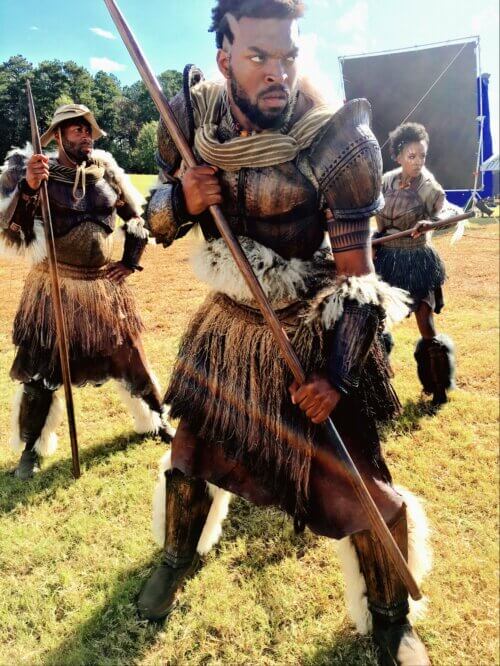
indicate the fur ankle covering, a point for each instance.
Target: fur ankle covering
{"x":145,"y":419}
{"x":436,"y":363}
{"x":46,"y":444}
{"x":212,"y":529}
{"x":419,"y":562}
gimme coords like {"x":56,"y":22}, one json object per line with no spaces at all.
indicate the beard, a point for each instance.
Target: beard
{"x":74,"y":151}
{"x":263,"y":119}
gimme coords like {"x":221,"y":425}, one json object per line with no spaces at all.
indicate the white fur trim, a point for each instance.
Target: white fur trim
{"x":281,"y":280}
{"x":365,"y":289}
{"x":159,"y":498}
{"x":145,"y":420}
{"x":16,"y":443}
{"x":419,"y":563}
{"x":46,"y":444}
{"x":355,"y":586}
{"x":135,"y":227}
{"x":130,"y":193}
{"x":34,"y":253}
{"x":212,"y":529}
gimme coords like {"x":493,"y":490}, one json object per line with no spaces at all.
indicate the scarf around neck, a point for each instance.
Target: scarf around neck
{"x":266,"y":148}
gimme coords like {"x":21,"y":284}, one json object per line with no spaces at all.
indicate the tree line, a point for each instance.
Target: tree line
{"x":126,"y":113}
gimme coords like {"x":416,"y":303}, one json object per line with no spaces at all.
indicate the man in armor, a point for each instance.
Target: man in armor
{"x":285,"y":170}
{"x":86,"y":190}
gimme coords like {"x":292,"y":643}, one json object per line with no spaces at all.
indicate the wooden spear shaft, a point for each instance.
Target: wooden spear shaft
{"x":375,"y":518}
{"x":62,"y":338}
{"x":434,"y":225}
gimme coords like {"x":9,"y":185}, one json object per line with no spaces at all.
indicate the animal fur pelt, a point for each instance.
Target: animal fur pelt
{"x":436,"y":363}
{"x":100,"y":314}
{"x":419,"y":563}
{"x":287,"y":281}
{"x":46,"y":444}
{"x":14,"y":246}
{"x":212,"y":529}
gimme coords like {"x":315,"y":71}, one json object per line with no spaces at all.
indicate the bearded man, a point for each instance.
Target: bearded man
{"x":86,"y":190}
{"x":285,"y":170}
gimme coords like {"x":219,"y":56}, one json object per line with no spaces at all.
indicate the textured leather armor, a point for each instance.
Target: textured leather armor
{"x":276,"y":206}
{"x":347,"y":163}
{"x":87,"y":244}
{"x":352,"y":338}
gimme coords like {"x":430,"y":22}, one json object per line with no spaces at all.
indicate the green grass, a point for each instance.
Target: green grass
{"x":143,"y":182}
{"x":73,"y":555}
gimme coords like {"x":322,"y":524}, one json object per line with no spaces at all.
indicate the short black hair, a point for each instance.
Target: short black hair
{"x":281,"y":9}
{"x":405,"y":134}
{"x":74,"y":121}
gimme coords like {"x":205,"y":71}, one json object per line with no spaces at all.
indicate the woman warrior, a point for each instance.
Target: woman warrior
{"x":412,"y":197}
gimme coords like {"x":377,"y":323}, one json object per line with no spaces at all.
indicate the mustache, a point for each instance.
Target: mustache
{"x":275,"y":88}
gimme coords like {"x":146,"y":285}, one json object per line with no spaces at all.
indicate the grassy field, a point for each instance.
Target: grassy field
{"x":73,"y":555}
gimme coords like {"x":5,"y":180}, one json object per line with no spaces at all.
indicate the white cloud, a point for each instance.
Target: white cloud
{"x":34,"y":27}
{"x":354,"y":24}
{"x":354,"y":19}
{"x":106,"y":65}
{"x":102,"y":33}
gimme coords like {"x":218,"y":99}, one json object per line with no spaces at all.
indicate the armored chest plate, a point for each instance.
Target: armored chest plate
{"x":276,"y":206}
{"x":98,"y":205}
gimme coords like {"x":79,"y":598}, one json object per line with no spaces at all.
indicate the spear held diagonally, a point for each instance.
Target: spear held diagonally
{"x":441,"y":224}
{"x":62,"y":337}
{"x":375,"y":519}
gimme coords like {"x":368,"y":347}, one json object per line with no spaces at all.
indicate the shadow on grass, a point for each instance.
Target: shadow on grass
{"x":114,"y":635}
{"x":409,"y":419}
{"x":58,"y":475}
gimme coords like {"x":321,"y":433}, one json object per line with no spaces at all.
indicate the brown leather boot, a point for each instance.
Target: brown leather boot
{"x":398,"y":643}
{"x":187,"y":506}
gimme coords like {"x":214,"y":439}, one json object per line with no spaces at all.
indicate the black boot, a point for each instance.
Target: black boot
{"x":187,"y":504}
{"x":436,"y":367}
{"x":28,"y":466}
{"x":398,"y":643}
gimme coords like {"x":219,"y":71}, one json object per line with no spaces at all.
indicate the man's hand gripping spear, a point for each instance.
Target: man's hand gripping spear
{"x":62,"y":337}
{"x":375,"y":519}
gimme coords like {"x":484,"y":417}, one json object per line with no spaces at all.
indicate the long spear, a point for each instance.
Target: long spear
{"x":441,"y":224}
{"x":62,"y":337}
{"x":375,"y":519}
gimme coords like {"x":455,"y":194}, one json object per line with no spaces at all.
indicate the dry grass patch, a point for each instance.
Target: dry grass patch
{"x":74,"y":554}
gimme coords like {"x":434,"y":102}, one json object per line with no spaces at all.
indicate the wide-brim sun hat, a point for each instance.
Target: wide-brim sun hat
{"x":68,"y":112}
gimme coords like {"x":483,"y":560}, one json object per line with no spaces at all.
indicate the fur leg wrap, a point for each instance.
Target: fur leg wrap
{"x":436,"y":363}
{"x":146,"y":420}
{"x":357,"y":592}
{"x":23,"y":417}
{"x":212,"y":527}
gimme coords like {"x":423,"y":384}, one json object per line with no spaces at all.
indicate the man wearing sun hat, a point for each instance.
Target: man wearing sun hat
{"x":86,"y":189}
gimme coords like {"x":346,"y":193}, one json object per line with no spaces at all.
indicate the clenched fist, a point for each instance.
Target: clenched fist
{"x":201,"y":189}
{"x":316,"y":397}
{"x":37,"y":170}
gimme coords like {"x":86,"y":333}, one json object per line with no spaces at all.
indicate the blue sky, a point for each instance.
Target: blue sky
{"x":174,"y":32}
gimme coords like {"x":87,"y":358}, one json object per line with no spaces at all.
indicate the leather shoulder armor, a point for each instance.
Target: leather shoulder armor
{"x":347,"y":163}
{"x":167,"y":155}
